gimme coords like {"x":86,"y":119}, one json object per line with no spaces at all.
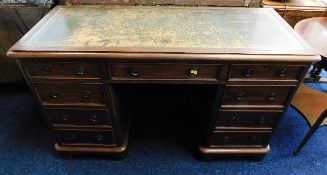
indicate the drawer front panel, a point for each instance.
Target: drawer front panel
{"x":247,"y":118}
{"x":85,"y":137}
{"x":256,"y":95}
{"x":241,"y":72}
{"x":79,"y":117}
{"x":55,"y":70}
{"x":72,"y":94}
{"x":245,"y":138}
{"x":164,"y":72}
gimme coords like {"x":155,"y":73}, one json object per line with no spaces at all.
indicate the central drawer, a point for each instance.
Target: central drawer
{"x":82,"y":137}
{"x":256,"y":95}
{"x":78,"y":117}
{"x":70,"y":94}
{"x":204,"y":72}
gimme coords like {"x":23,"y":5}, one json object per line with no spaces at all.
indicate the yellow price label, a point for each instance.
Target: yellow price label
{"x":194,"y":72}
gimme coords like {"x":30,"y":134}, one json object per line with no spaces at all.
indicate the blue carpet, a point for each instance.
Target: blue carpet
{"x":26,"y":147}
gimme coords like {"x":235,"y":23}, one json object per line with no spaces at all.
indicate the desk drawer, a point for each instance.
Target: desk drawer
{"x":85,"y":117}
{"x":240,"y":138}
{"x":103,"y":137}
{"x":61,"y":70}
{"x":72,"y":94}
{"x":256,"y":95}
{"x":165,"y":72}
{"x":253,"y":118}
{"x":259,"y":72}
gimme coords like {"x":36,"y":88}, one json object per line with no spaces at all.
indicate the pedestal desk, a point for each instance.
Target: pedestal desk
{"x":83,"y":62}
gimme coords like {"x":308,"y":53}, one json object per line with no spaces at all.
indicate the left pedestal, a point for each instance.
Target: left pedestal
{"x":78,"y":104}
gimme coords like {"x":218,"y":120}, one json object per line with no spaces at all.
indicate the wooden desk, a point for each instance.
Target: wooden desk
{"x":77,"y":59}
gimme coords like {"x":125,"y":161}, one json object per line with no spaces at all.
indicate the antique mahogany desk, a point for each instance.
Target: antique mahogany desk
{"x":83,"y":62}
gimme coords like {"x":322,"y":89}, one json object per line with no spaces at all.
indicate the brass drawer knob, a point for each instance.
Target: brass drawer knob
{"x":93,"y":118}
{"x":226,"y":139}
{"x":55,"y":94}
{"x":80,"y":71}
{"x":99,"y":137}
{"x":232,"y":120}
{"x":282,"y":73}
{"x":261,"y":120}
{"x":45,"y":70}
{"x":240,"y":96}
{"x":248,"y":72}
{"x":252,"y":139}
{"x":272,"y":96}
{"x":65,"y":118}
{"x":135,"y":71}
{"x":72,"y":137}
{"x":87,"y":94}
{"x":193,"y":72}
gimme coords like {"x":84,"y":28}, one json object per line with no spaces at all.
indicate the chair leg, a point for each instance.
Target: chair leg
{"x":311,"y":132}
{"x":305,"y":140}
{"x":317,"y":68}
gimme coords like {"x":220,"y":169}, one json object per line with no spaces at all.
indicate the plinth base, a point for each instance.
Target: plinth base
{"x":257,"y":154}
{"x":115,"y":152}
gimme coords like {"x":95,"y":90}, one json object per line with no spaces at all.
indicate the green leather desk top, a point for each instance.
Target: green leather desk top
{"x":163,"y":29}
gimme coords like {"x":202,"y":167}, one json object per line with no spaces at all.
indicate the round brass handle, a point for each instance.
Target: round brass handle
{"x":80,"y":70}
{"x":261,"y":120}
{"x":45,"y":70}
{"x":193,"y":72}
{"x":252,"y":139}
{"x":232,"y":120}
{"x":226,"y":139}
{"x":272,"y":96}
{"x":55,"y":93}
{"x":72,"y":137}
{"x":282,"y":73}
{"x":248,"y":72}
{"x":87,"y":94}
{"x":240,"y":96}
{"x":99,"y":137}
{"x":65,"y":118}
{"x":135,"y":71}
{"x":93,"y":118}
